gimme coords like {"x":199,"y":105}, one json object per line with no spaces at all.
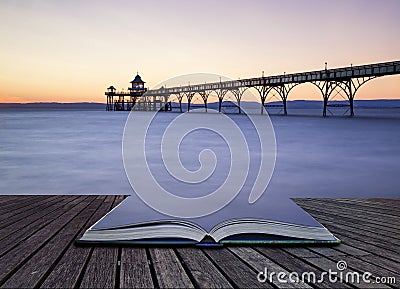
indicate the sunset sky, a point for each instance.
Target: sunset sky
{"x":71,"y":51}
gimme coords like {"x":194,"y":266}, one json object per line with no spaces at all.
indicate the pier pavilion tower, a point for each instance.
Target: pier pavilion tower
{"x":136,"y":90}
{"x":125,"y":100}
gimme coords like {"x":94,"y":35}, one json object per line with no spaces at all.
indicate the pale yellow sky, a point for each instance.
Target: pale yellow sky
{"x":70,"y":51}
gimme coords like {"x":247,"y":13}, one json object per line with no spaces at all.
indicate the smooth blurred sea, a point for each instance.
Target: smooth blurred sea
{"x":79,"y":152}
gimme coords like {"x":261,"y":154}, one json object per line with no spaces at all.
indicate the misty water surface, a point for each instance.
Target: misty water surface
{"x":79,"y":152}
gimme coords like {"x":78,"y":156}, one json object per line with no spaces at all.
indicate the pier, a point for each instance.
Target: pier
{"x":345,"y":81}
{"x":37,"y":249}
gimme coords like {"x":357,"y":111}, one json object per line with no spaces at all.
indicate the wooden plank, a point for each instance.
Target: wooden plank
{"x":21,"y":204}
{"x":259,"y":262}
{"x":294,"y":264}
{"x":101,"y":259}
{"x":349,"y":217}
{"x":351,"y":250}
{"x":365,"y":245}
{"x":135,"y":270}
{"x":376,"y":234}
{"x":385,"y":201}
{"x":360,"y":208}
{"x":11,"y":261}
{"x":234,"y":269}
{"x":10,"y":215}
{"x":101,"y":269}
{"x":108,"y":203}
{"x":364,"y":242}
{"x":358,"y":214}
{"x":169,"y":271}
{"x":368,"y":203}
{"x":355,"y":223}
{"x":60,"y":262}
{"x":204,"y":273}
{"x":393,"y":203}
{"x":327,"y":251}
{"x":23,"y":230}
{"x":20,"y":213}
{"x":365,"y":205}
{"x":34,"y":269}
{"x":119,"y":199}
{"x":391,"y":221}
{"x":345,"y":209}
{"x":23,"y":218}
{"x":382,"y":245}
{"x":390,"y":242}
{"x":9,"y":199}
{"x":300,"y":252}
{"x":68,"y":270}
{"x":382,"y":262}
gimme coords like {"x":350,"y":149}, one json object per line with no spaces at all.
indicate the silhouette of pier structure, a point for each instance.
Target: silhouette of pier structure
{"x":345,"y":80}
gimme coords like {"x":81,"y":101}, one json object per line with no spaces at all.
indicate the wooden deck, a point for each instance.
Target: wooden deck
{"x":37,"y":249}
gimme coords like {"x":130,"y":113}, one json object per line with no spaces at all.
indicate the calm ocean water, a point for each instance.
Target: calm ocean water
{"x":79,"y":152}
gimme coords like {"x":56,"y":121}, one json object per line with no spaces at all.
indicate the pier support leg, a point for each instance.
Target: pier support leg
{"x":189,"y":97}
{"x":351,"y":100}
{"x":284,"y":106}
{"x":350,"y":96}
{"x":180,"y":98}
{"x":238,"y":93}
{"x":351,"y":86}
{"x":263,"y":90}
{"x":326,"y":87}
{"x":204,"y":95}
{"x":221,"y":94}
{"x":262,"y":105}
{"x":166,"y":97}
{"x":283,"y":91}
{"x":325,"y":105}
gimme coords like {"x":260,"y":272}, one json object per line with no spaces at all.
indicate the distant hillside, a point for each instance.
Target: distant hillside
{"x":378,"y":103}
{"x":54,"y":105}
{"x":293,"y":104}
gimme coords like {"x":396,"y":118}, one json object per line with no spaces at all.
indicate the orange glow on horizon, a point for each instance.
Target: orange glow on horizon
{"x":387,"y":87}
{"x":71,"y":51}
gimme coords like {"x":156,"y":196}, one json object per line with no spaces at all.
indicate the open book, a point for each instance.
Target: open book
{"x":276,"y":221}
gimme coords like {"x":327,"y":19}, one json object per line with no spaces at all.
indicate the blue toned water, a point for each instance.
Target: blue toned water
{"x":79,"y":152}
